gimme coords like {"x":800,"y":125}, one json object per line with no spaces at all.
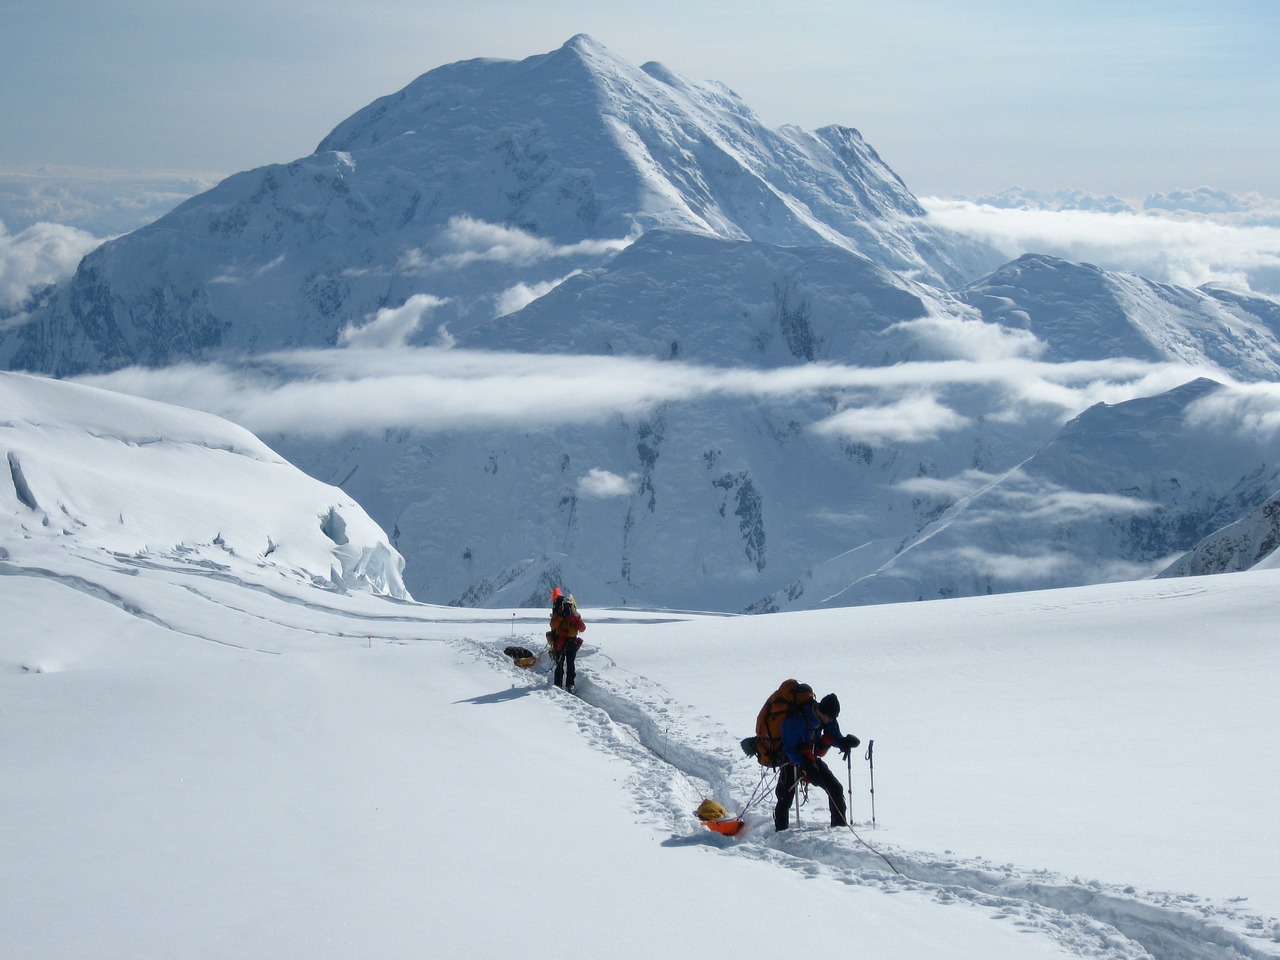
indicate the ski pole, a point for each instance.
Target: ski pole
{"x":848,"y":768}
{"x":871,"y":762}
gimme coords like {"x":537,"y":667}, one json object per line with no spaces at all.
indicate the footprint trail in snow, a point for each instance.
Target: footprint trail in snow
{"x":678,"y":757}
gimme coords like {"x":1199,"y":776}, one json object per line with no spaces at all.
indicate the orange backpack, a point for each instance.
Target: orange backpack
{"x":788,"y":699}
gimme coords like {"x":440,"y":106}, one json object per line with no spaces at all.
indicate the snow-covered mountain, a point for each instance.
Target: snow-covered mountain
{"x":476,"y":178}
{"x":1115,"y":495}
{"x":1081,"y":312}
{"x":1251,"y":542}
{"x":829,"y":367}
{"x":139,"y":482}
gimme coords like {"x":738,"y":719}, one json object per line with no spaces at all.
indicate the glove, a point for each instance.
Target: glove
{"x":847,"y":743}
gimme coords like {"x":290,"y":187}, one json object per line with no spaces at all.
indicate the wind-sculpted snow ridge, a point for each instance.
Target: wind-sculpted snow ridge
{"x":677,"y":759}
{"x":106,"y":474}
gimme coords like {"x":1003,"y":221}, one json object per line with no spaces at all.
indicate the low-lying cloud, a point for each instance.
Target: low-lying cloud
{"x":37,"y":256}
{"x":390,"y":326}
{"x":910,"y":420}
{"x":522,"y":294}
{"x":1177,"y":248}
{"x":1250,"y":408}
{"x":433,"y":389}
{"x":598,"y":484}
{"x":464,"y":241}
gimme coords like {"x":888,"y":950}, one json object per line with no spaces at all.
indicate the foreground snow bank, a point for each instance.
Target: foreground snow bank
{"x":139,"y":478}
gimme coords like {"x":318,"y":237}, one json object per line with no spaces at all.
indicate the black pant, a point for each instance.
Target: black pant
{"x":819,"y":775}
{"x":565,"y":668}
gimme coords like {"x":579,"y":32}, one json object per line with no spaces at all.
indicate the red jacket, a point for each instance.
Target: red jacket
{"x":566,"y":629}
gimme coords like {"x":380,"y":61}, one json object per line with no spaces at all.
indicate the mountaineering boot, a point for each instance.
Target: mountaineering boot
{"x":569,"y":687}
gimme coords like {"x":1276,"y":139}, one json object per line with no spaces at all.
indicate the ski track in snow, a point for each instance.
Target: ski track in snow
{"x":678,"y":758}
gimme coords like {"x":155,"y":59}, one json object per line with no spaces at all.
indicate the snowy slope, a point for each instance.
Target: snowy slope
{"x":680,"y":295}
{"x":1080,"y":311}
{"x":1252,"y":541}
{"x":1115,"y":495}
{"x":135,"y":481}
{"x":224,"y":762}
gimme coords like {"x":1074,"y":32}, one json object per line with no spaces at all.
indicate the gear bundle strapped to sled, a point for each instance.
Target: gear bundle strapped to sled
{"x":522,"y":657}
{"x":715,"y":817}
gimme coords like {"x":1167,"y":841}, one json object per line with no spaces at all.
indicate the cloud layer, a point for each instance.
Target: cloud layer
{"x":1179,"y":248}
{"x":334,"y":392}
{"x":39,"y":255}
{"x":465,"y":240}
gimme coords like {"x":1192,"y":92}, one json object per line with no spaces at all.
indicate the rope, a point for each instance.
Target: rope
{"x":761,"y":791}
{"x":871,"y":848}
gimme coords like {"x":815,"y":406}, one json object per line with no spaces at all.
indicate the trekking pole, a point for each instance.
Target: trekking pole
{"x":848,"y":767}
{"x":871,"y":762}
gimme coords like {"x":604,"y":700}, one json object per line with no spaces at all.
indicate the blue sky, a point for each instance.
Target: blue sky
{"x":1125,"y":97}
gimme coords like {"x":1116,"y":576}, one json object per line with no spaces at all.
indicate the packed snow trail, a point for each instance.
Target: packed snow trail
{"x":678,"y":759}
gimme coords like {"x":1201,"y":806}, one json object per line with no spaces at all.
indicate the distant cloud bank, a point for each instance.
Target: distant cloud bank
{"x":1187,"y":237}
{"x":330,"y":393}
{"x":105,"y":203}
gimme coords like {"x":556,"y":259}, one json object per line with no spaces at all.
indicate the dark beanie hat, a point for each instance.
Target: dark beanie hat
{"x":830,"y":706}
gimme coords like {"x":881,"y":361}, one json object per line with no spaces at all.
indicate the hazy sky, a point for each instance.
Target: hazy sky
{"x":959,"y":96}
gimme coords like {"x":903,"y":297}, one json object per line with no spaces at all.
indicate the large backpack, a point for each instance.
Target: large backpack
{"x":788,"y":699}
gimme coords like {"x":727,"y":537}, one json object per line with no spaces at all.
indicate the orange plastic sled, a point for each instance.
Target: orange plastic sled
{"x":728,"y":827}
{"x":717,"y":818}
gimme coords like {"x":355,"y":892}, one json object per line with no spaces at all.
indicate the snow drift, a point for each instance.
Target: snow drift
{"x":136,"y":479}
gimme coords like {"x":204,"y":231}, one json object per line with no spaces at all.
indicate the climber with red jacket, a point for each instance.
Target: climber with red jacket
{"x":563,"y":637}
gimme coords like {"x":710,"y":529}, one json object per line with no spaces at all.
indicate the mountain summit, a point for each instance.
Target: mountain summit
{"x":587,"y":146}
{"x":575,"y":147}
